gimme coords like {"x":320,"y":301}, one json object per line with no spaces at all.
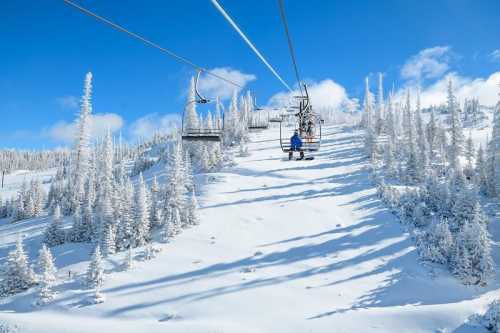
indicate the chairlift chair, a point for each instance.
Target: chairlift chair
{"x":200,"y":133}
{"x":306,"y":121}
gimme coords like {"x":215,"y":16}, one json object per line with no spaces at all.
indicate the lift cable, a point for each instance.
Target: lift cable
{"x":290,"y":45}
{"x":250,"y":44}
{"x":150,"y":43}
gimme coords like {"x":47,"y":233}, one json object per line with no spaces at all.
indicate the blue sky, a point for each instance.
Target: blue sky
{"x":47,"y":47}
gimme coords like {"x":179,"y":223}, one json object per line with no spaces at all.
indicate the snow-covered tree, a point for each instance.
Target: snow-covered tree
{"x":141,"y":227}
{"x":379,"y":115}
{"x":95,"y":270}
{"x":17,"y":273}
{"x":191,"y":118}
{"x":154,"y":214}
{"x":192,"y":210}
{"x":472,"y":261}
{"x":456,"y":130}
{"x":128,"y":263}
{"x":367,"y":118}
{"x":481,"y":175}
{"x":125,"y":229}
{"x":176,"y":189}
{"x":46,"y":275}
{"x":82,"y":144}
{"x":436,"y":243}
{"x":54,"y":233}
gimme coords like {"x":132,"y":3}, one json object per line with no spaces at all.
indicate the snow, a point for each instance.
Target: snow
{"x":14,"y":180}
{"x":283,"y":246}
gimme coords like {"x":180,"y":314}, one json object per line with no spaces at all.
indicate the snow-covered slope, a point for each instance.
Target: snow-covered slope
{"x":283,"y":246}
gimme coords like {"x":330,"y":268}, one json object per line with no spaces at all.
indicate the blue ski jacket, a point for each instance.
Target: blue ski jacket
{"x":295,"y":142}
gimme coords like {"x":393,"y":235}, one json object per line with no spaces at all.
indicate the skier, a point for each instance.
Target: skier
{"x":295,"y":145}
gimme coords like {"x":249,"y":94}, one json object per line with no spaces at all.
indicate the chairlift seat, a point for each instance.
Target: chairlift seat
{"x":202,"y":134}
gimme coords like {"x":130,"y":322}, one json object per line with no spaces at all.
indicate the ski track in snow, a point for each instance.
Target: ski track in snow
{"x":283,"y":246}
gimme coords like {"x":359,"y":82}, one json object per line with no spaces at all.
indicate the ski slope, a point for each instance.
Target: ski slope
{"x":283,"y":246}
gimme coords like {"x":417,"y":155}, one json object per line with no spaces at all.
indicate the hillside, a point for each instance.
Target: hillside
{"x":283,"y":246}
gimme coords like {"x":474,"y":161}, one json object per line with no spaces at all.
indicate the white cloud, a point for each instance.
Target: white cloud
{"x":485,"y":89}
{"x":495,"y":55}
{"x":67,"y":102}
{"x":99,"y":125}
{"x":145,"y":127}
{"x":429,"y":63}
{"x":323,"y":94}
{"x":212,"y":87}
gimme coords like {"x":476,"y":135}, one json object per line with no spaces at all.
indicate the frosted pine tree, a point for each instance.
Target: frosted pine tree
{"x":17,"y":273}
{"x":176,"y":189}
{"x":54,"y":233}
{"x":412,"y":169}
{"x":209,"y":121}
{"x":481,"y":178}
{"x":473,"y":261}
{"x":95,"y":277}
{"x":436,"y":243}
{"x":95,"y":270}
{"x":367,"y":116}
{"x":469,"y":155}
{"x":191,"y":118}
{"x":47,"y":275}
{"x":129,"y":260}
{"x":421,"y":139}
{"x":491,"y":162}
{"x":218,"y":114}
{"x":456,"y":130}
{"x":495,"y":150}
{"x":188,"y":173}
{"x":205,"y":159}
{"x":126,"y":226}
{"x":155,"y":204}
{"x":390,"y":126}
{"x":109,"y":240}
{"x":82,"y":145}
{"x":141,"y":227}
{"x":378,"y":121}
{"x":192,"y":208}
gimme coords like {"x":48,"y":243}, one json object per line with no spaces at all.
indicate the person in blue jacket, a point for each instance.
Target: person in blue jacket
{"x":295,"y":145}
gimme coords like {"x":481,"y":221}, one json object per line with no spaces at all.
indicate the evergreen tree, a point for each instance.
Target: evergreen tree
{"x":473,"y":262}
{"x":188,"y":173}
{"x":17,"y":275}
{"x":421,"y":139}
{"x":436,"y":242}
{"x":192,"y":207}
{"x":491,"y":162}
{"x":413,"y":171}
{"x":47,"y":275}
{"x":54,"y":233}
{"x":155,"y":204}
{"x":367,"y":120}
{"x":191,"y":120}
{"x":456,"y":134}
{"x":495,"y":152}
{"x":95,"y":270}
{"x":109,"y":241}
{"x":481,"y":175}
{"x":126,"y":225}
{"x":129,"y":260}
{"x":82,"y":145}
{"x":380,"y":106}
{"x":141,"y":227}
{"x":431,"y":134}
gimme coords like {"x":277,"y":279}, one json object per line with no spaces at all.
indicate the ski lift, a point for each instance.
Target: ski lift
{"x":200,"y":133}
{"x":306,"y":122}
{"x":258,"y":119}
